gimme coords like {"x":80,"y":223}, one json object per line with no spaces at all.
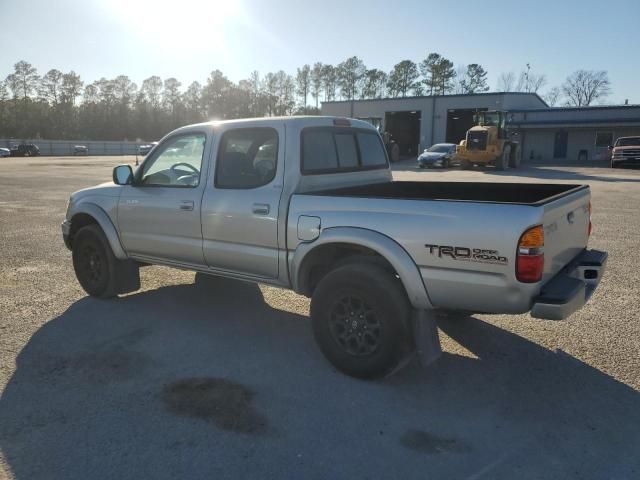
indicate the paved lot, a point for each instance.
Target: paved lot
{"x":223,"y":380}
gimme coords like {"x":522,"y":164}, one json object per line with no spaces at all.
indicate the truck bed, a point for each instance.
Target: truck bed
{"x":512,"y":193}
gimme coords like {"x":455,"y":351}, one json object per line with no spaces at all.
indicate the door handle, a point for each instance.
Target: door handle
{"x":261,"y":208}
{"x":186,"y":205}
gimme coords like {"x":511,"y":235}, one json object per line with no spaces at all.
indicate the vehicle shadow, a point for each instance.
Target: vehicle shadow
{"x":209,"y":380}
{"x":551,"y":173}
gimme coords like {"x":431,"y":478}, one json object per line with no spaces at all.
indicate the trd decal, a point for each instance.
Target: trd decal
{"x":480,"y":255}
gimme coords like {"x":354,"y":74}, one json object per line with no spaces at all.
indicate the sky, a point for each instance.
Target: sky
{"x":187,"y":39}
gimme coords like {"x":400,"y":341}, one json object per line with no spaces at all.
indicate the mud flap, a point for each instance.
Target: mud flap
{"x":426,"y":336}
{"x":127,"y":276}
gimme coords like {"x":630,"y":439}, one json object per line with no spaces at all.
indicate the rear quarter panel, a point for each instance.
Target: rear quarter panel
{"x":456,"y":283}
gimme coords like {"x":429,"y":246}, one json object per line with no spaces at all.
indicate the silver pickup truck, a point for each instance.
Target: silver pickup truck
{"x":309,"y":203}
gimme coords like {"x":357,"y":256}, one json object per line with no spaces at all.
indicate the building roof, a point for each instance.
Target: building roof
{"x":569,"y":109}
{"x":416,"y":97}
{"x":589,"y":122}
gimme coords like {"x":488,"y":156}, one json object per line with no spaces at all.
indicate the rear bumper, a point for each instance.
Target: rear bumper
{"x":570,"y":289}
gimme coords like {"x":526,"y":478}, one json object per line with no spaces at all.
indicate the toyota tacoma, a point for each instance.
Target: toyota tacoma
{"x":309,"y":203}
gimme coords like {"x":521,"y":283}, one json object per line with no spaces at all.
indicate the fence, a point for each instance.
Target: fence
{"x":66,"y":147}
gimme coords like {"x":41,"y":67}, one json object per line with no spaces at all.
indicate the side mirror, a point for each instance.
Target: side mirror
{"x":610,"y":147}
{"x":122,"y":175}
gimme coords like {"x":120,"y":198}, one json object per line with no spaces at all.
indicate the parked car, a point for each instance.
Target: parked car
{"x":5,"y":152}
{"x":80,"y":150}
{"x":317,"y":211}
{"x":145,"y":149}
{"x":25,"y":150}
{"x":438,"y":155}
{"x":625,"y":152}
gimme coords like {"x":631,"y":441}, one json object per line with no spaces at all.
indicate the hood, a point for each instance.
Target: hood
{"x":107,"y":189}
{"x":431,"y":155}
{"x":627,"y":147}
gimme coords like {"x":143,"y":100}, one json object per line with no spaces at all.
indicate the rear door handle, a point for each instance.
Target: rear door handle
{"x":186,"y":205}
{"x":261,"y":208}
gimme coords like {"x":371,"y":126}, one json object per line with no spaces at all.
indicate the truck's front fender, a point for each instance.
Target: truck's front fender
{"x":390,"y":250}
{"x":102,"y":219}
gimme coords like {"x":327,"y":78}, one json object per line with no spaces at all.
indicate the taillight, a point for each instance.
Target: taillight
{"x":530,"y":258}
{"x":590,"y":224}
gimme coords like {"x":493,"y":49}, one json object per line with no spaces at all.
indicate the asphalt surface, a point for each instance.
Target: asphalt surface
{"x":198,"y":378}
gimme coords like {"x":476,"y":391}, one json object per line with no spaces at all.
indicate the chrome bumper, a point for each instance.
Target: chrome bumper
{"x":570,"y":289}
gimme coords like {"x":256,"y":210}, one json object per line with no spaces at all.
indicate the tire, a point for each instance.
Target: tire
{"x":503,"y":162}
{"x":94,"y":262}
{"x":445,"y":164}
{"x":515,"y":158}
{"x":371,"y":341}
{"x":465,"y":165}
{"x":395,"y":153}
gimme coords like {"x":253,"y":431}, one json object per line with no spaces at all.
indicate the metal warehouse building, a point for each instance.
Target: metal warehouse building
{"x":545,"y":133}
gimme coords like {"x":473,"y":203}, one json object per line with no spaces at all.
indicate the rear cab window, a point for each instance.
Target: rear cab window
{"x":340,"y":149}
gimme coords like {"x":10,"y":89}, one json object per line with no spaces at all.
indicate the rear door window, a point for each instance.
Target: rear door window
{"x":347,"y":150}
{"x":335,"y":149}
{"x":371,"y":150}
{"x":319,"y":151}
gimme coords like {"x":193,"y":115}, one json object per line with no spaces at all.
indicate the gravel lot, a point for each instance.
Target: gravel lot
{"x":222,"y":379}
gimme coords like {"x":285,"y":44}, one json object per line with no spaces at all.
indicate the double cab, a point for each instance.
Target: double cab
{"x":310,"y":204}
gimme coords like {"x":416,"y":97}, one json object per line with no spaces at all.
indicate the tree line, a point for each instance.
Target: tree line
{"x":60,"y":105}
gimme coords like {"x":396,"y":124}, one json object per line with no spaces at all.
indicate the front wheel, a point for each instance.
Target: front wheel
{"x":465,"y":165}
{"x":503,"y":162}
{"x":360,"y":317}
{"x":516,"y":157}
{"x":94,"y":262}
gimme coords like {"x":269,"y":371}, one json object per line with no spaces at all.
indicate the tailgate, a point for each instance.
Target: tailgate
{"x":566,"y":230}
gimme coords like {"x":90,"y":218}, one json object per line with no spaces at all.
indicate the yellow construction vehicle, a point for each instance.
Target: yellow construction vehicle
{"x":489,"y":143}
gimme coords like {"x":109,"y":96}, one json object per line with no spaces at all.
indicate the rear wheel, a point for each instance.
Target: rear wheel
{"x":503,"y":162}
{"x":465,"y":165}
{"x":94,"y":262}
{"x":516,"y":157}
{"x":395,"y":153}
{"x":360,"y":316}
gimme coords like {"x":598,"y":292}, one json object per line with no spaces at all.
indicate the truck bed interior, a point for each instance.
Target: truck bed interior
{"x":518,"y":193}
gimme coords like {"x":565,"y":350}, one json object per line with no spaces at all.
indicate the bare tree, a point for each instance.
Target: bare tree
{"x":459,"y":81}
{"x":583,"y":87}
{"x":474,"y":79}
{"x":552,"y":96}
{"x":506,"y":82}
{"x":530,"y":82}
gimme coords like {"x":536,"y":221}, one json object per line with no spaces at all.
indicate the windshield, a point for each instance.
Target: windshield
{"x":439,"y":148}
{"x":628,"y":142}
{"x":490,"y":119}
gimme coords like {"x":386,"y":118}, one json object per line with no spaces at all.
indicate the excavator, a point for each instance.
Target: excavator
{"x":489,"y":143}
